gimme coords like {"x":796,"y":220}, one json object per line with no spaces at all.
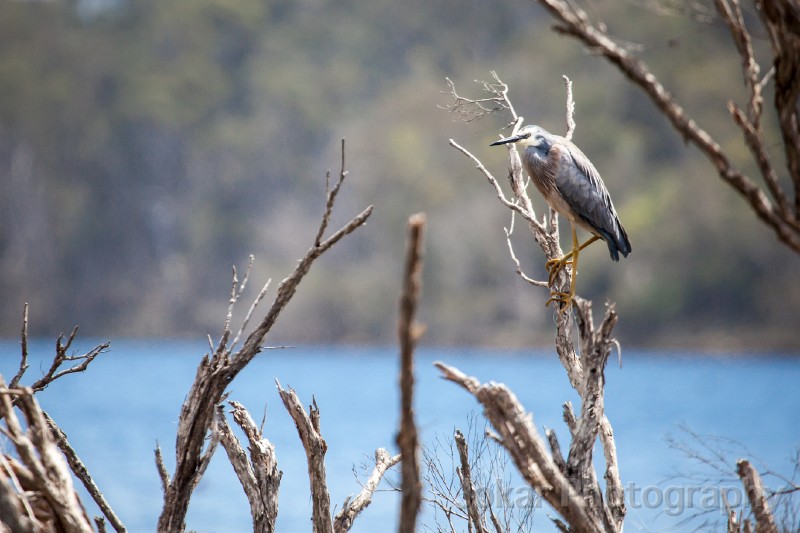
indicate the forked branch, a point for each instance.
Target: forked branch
{"x":219,"y":368}
{"x":782,"y":20}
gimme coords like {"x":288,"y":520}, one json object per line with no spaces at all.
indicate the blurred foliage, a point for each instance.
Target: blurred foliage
{"x":146,"y":146}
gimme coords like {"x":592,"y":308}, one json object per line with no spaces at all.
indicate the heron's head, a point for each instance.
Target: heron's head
{"x":534,"y":136}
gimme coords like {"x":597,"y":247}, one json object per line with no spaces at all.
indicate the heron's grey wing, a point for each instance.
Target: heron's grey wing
{"x":581,"y":186}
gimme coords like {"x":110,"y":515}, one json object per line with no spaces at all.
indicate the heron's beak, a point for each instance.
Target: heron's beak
{"x":511,"y":139}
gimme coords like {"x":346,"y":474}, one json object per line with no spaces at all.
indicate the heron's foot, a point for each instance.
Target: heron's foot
{"x":562,"y":299}
{"x":554,"y":266}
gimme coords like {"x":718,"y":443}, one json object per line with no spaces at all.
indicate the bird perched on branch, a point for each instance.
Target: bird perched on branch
{"x":572,"y":186}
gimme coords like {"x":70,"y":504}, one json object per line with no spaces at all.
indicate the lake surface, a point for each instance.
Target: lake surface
{"x":129,"y":399}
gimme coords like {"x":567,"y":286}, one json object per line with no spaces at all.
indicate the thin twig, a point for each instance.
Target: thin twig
{"x":82,"y":473}
{"x":23,"y":362}
{"x":465,"y":475}
{"x":352,"y":508}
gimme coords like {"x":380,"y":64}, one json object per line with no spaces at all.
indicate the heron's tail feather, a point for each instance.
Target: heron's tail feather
{"x":617,"y":244}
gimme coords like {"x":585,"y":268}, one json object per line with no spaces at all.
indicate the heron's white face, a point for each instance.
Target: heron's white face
{"x":529,"y":136}
{"x":534,"y":137}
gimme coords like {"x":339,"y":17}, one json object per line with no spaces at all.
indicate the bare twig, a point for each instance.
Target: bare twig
{"x":23,"y":362}
{"x":352,"y":508}
{"x":555,"y":450}
{"x":55,"y":372}
{"x":249,"y":315}
{"x":330,"y":196}
{"x":469,"y":110}
{"x":464,"y":473}
{"x":162,"y":469}
{"x":517,"y":264}
{"x":82,"y":473}
{"x":409,"y":333}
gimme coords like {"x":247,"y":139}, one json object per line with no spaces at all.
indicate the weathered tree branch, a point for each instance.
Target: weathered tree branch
{"x":81,"y":362}
{"x":308,"y":428}
{"x":409,"y":333}
{"x":751,"y":482}
{"x":259,"y":475}
{"x":20,"y":397}
{"x":465,"y":476}
{"x":782,"y":19}
{"x":527,"y":449}
{"x":23,"y":361}
{"x":216,"y":371}
{"x":46,"y":473}
{"x":82,"y":473}
{"x":353,"y":507}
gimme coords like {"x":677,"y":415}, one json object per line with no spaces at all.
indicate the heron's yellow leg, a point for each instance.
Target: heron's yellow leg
{"x":554,"y":266}
{"x":566,"y":297}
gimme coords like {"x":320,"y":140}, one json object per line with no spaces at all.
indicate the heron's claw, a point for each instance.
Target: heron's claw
{"x":558,"y":297}
{"x":554,"y":266}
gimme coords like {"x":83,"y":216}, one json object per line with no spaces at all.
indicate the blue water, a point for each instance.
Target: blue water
{"x":129,"y":400}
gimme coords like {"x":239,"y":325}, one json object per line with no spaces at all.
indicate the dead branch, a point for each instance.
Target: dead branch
{"x":16,"y":511}
{"x":219,"y":368}
{"x":469,"y":110}
{"x":162,"y":469}
{"x":527,"y":449}
{"x":751,"y":481}
{"x":465,"y":476}
{"x":259,"y":476}
{"x":82,"y":473}
{"x":352,"y":508}
{"x":43,"y":475}
{"x":62,"y":356}
{"x":308,"y":428}
{"x":23,"y":361}
{"x":79,"y":363}
{"x":782,"y":20}
{"x":409,"y":333}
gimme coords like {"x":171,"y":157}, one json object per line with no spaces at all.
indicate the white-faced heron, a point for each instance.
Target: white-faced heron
{"x":572,"y":186}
